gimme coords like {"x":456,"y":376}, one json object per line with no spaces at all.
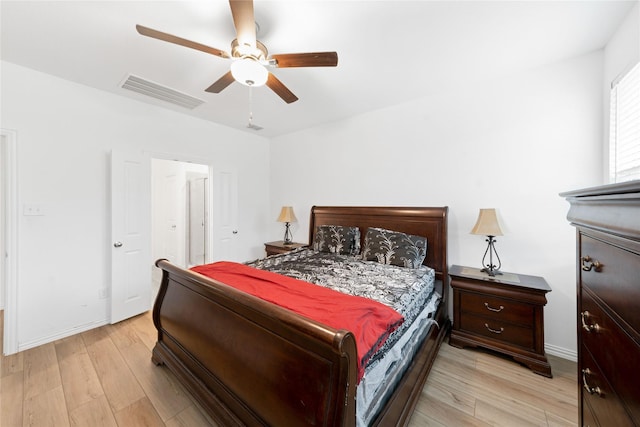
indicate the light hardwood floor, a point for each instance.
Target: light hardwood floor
{"x":105,"y":377}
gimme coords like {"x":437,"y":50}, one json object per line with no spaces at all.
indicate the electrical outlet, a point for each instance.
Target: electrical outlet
{"x":102,"y":293}
{"x":33,"y":210}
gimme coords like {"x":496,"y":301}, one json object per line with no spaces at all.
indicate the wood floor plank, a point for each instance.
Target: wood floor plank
{"x":46,"y":409}
{"x":514,"y":380}
{"x":95,"y":335}
{"x":11,"y":399}
{"x":418,"y":419}
{"x":79,"y":378}
{"x":118,"y":382}
{"x":459,"y":399}
{"x":498,"y":383}
{"x":41,"y":373}
{"x":190,"y":417}
{"x":167,"y":396}
{"x":556,"y":421}
{"x":68,"y":347}
{"x":447,"y":415}
{"x":123,"y":334}
{"x":11,"y":364}
{"x":147,"y":335}
{"x":95,"y":413}
{"x":503,"y":413}
{"x":140,"y":413}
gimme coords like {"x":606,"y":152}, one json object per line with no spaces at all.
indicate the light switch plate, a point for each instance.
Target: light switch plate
{"x":33,"y":210}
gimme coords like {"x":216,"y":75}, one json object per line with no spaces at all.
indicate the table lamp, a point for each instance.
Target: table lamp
{"x":287,"y":216}
{"x":487,"y":225}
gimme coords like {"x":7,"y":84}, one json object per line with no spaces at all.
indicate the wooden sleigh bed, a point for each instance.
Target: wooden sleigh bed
{"x":250,"y":362}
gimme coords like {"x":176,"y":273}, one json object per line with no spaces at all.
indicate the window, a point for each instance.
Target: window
{"x":624,"y":134}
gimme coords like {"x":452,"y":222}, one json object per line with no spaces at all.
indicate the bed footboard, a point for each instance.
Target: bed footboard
{"x":249,"y":362}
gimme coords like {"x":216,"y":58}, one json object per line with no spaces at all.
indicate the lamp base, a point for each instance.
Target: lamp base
{"x":490,"y":272}
{"x":490,"y":268}
{"x":287,"y":240}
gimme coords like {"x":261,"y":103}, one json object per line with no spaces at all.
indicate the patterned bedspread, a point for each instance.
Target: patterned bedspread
{"x":406,"y":290}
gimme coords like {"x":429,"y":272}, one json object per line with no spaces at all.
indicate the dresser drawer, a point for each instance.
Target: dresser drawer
{"x":497,"y":329}
{"x":601,"y":397}
{"x":612,"y":350}
{"x":588,"y":419}
{"x":497,"y":309}
{"x":617,"y":281}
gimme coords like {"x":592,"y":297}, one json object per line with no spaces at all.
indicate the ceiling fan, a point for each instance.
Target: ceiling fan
{"x":250,"y":57}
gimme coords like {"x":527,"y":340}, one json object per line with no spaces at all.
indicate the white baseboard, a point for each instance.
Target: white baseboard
{"x":62,"y":334}
{"x":564,"y":353}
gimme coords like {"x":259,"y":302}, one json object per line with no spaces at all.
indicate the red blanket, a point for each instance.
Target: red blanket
{"x":369,"y":321}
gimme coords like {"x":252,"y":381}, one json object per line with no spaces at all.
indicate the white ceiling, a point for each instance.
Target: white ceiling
{"x":389,"y":51}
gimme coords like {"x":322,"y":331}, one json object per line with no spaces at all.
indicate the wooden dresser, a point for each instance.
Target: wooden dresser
{"x":607,"y":220}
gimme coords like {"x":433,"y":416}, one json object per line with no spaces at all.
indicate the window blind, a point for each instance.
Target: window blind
{"x":624,"y":135}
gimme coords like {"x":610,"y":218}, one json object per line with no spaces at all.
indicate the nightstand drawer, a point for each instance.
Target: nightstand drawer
{"x":497,"y":330}
{"x":499,"y":309}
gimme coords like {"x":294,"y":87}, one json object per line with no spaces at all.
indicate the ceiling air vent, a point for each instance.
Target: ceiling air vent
{"x":163,"y":93}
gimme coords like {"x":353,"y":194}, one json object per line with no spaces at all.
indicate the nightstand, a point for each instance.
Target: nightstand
{"x":278,"y":247}
{"x":504,"y":313}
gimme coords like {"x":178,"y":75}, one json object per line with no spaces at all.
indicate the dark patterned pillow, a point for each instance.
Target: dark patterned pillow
{"x":395,"y":248}
{"x":337,"y":239}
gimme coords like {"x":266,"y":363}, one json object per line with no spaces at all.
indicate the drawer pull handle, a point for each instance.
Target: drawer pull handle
{"x":587,"y":387}
{"x":497,"y":310}
{"x":588,"y":264}
{"x":589,"y":328}
{"x":495,"y":331}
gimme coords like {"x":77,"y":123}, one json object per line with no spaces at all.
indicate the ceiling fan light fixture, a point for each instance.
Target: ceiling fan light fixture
{"x":238,"y":50}
{"x":249,"y":72}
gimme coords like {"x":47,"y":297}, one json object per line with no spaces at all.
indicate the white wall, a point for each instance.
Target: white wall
{"x":512,"y":144}
{"x":65,"y":132}
{"x":621,"y":53}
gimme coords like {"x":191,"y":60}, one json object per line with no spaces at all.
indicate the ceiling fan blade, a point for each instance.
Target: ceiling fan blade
{"x":221,"y":83}
{"x":312,"y":59}
{"x":155,"y":34}
{"x":244,"y":21}
{"x":280,"y":89}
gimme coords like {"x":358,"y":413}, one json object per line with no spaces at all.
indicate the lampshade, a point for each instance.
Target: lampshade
{"x":287,"y":215}
{"x":249,"y":72}
{"x":487,"y":224}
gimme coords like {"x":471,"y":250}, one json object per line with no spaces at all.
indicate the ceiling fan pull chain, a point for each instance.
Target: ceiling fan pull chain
{"x":250,"y":106}
{"x":250,"y":124}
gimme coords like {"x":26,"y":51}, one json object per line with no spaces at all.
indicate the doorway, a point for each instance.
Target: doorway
{"x":180,"y":206}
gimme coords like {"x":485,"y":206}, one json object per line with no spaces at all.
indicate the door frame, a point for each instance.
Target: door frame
{"x":9,"y":251}
{"x":201,"y":161}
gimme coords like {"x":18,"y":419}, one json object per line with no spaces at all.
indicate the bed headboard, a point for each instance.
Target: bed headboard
{"x":429,"y":222}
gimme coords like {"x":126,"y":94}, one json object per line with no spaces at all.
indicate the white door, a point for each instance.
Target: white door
{"x":130,"y":234}
{"x":225,"y":215}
